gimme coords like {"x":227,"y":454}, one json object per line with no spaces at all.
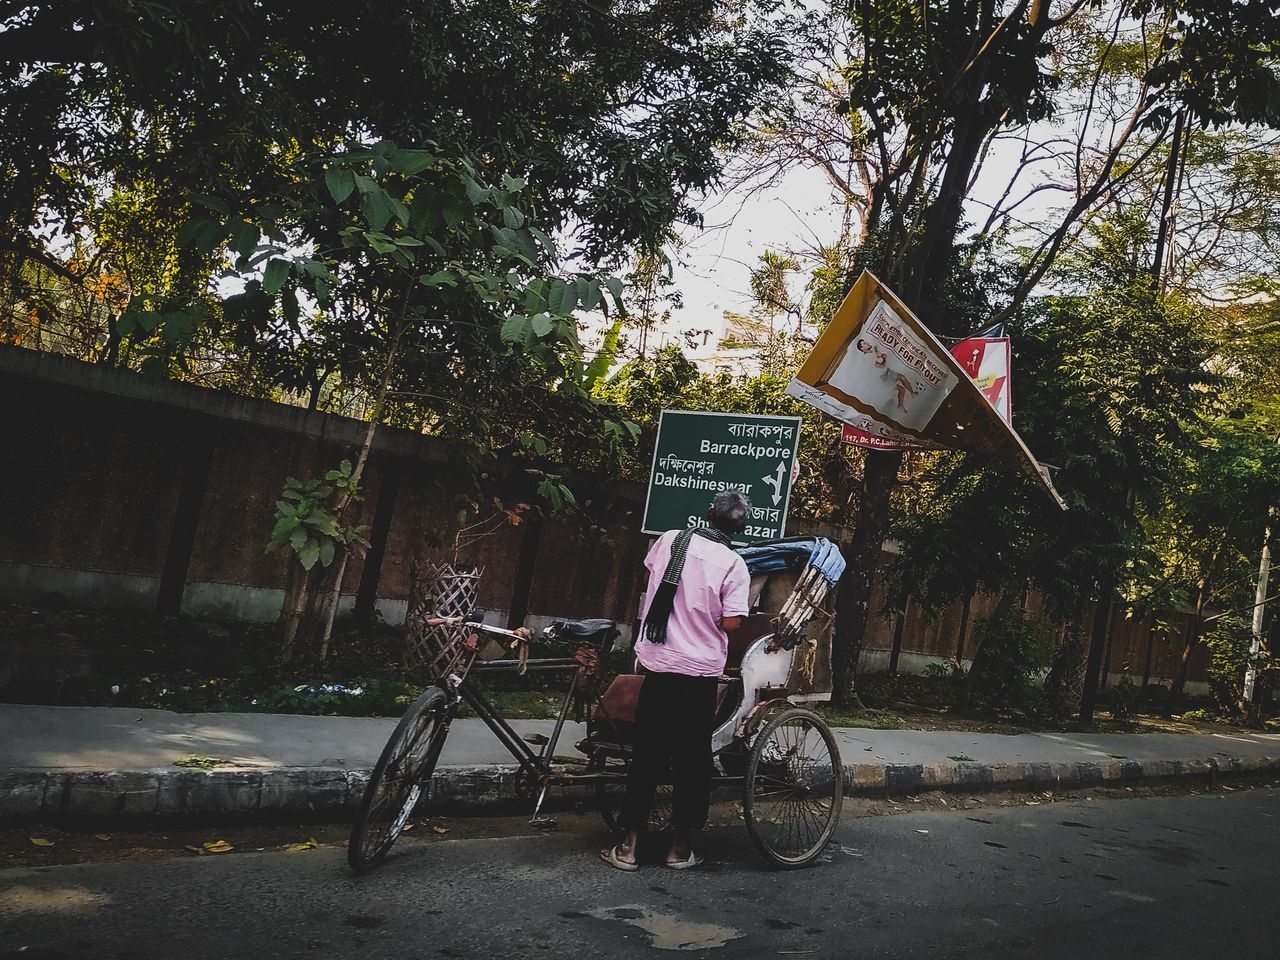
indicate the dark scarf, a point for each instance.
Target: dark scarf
{"x":664,"y":598}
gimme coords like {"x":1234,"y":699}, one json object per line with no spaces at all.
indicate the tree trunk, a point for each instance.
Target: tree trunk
{"x":964,"y":627}
{"x":1097,"y":647}
{"x":1065,"y":682}
{"x":1194,"y":621}
{"x":1171,"y":179}
{"x":899,"y":625}
{"x":862,"y":555}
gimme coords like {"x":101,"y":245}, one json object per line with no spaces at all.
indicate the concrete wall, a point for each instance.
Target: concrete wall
{"x":118,"y":491}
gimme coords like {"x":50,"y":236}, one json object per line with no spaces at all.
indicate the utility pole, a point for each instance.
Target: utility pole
{"x":1259,"y":614}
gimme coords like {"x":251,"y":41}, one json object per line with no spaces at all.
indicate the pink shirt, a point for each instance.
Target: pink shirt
{"x":714,"y":584}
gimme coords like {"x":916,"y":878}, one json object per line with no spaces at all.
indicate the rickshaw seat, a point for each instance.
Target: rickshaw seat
{"x":751,"y":629}
{"x":618,"y":705}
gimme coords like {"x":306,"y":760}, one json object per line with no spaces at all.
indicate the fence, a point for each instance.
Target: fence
{"x":124,"y":492}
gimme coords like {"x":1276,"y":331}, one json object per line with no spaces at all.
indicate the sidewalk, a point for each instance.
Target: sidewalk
{"x":110,"y":762}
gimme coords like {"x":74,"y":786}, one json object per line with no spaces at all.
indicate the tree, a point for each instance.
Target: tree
{"x":441,"y":284}
{"x":927,"y":89}
{"x":1115,"y":389}
{"x":107,"y":100}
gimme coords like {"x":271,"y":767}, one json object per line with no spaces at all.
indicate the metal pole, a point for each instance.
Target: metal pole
{"x":1259,"y":613}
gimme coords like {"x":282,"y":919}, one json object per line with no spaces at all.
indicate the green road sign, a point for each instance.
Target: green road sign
{"x":698,"y":454}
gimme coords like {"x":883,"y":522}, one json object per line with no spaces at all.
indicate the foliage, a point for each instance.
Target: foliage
{"x":1125,"y":698}
{"x":1012,"y":649}
{"x":572,"y":97}
{"x":1113,"y":390}
{"x":308,"y":524}
{"x":368,"y":698}
{"x":1229,"y":641}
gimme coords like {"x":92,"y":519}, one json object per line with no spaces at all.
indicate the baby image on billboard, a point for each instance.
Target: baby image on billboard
{"x":891,"y":370}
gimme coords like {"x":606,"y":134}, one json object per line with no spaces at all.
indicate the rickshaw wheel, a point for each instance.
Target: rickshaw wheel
{"x":401,"y":777}
{"x":794,"y":788}
{"x":609,"y":794}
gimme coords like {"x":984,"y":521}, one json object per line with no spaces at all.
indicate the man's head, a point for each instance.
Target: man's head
{"x":728,"y":512}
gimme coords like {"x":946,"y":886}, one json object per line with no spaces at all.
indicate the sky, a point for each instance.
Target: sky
{"x":715,"y":262}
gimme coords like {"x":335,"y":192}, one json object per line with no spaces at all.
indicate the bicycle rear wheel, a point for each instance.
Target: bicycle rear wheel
{"x":402,"y":773}
{"x":794,"y":788}
{"x":609,"y":796}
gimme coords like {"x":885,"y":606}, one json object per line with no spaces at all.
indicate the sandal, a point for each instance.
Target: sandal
{"x":692,"y":861}
{"x":611,"y":857}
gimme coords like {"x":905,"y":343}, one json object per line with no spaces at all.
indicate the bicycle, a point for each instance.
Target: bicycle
{"x":784,"y":757}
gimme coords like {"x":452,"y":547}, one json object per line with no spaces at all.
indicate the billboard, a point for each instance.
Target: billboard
{"x":881,"y":372}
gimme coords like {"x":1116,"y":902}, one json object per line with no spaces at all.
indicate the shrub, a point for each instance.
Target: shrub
{"x":1229,"y":643}
{"x":1012,"y":649}
{"x":1125,"y":698}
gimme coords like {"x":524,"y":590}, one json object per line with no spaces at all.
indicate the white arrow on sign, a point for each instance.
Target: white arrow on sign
{"x":776,"y":482}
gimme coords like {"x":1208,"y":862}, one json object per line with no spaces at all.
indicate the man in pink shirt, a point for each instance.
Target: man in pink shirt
{"x":698,"y":589}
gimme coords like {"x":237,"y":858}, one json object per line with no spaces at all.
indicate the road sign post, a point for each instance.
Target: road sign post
{"x":697,"y":454}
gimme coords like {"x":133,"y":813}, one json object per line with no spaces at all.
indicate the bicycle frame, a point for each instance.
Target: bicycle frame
{"x":537,"y":766}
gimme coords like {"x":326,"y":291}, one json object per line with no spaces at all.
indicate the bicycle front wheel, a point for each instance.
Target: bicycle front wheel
{"x":794,"y":788}
{"x":402,"y":773}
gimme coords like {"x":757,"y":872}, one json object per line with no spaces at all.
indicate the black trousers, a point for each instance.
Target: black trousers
{"x":675,"y":717}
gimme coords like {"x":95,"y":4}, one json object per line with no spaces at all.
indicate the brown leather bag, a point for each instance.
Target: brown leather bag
{"x":618,"y":705}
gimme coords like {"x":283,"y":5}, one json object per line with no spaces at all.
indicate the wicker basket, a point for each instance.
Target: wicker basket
{"x":439,"y":590}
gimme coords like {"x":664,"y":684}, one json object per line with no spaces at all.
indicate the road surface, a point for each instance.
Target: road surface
{"x":1166,"y":877}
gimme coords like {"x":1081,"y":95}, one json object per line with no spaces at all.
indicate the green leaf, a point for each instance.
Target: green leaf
{"x":202,"y":234}
{"x":211,"y":203}
{"x":127,"y":323}
{"x":284,"y":526}
{"x":589,"y":293}
{"x":399,"y":209}
{"x":599,"y":366}
{"x":439,"y":278}
{"x":326,"y":553}
{"x":244,"y":237}
{"x":513,"y":217}
{"x":178,"y":326}
{"x":542,"y":324}
{"x":377,"y":207}
{"x":453,"y":210}
{"x":475,"y":193}
{"x":561,"y":298}
{"x":615,"y":287}
{"x":515,"y":329}
{"x":298,"y":537}
{"x":547,"y":243}
{"x":276,"y":274}
{"x":340,"y":182}
{"x":410,"y":162}
{"x":380,"y":242}
{"x":308,"y":553}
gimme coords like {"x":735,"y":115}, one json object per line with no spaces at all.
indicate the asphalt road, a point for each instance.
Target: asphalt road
{"x":1167,"y":877}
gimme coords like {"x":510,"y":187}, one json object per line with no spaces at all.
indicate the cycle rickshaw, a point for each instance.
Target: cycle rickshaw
{"x":782,"y":757}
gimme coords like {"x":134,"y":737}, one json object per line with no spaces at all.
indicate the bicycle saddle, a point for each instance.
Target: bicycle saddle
{"x":585,"y":628}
